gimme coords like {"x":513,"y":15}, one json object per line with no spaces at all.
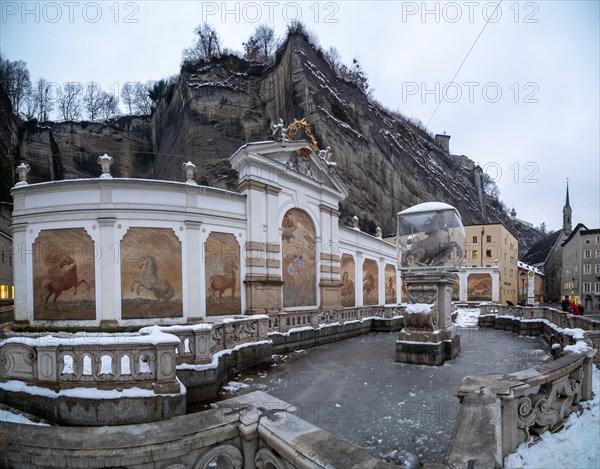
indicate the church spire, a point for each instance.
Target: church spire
{"x":567,"y":227}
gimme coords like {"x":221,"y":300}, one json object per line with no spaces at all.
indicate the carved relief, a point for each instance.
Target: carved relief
{"x":422,"y":294}
{"x":552,"y":404}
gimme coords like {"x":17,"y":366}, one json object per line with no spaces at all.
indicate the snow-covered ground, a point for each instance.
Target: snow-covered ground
{"x":467,"y":317}
{"x":577,"y":446}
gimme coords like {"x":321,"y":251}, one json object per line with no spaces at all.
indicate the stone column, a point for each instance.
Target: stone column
{"x":330,"y":283}
{"x":194,"y":266}
{"x":381,"y":291}
{"x":22,"y":284}
{"x":106,"y":308}
{"x":263,"y":284}
{"x":429,"y":336}
{"x":359,"y":278}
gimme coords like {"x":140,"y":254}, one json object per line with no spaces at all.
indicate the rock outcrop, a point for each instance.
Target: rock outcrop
{"x":213,"y":108}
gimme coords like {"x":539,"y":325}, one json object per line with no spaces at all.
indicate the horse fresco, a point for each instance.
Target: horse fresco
{"x":63,"y":271}
{"x":228,"y":281}
{"x":222,"y":267}
{"x":162,"y":289}
{"x":57,"y":284}
{"x":151,"y":274}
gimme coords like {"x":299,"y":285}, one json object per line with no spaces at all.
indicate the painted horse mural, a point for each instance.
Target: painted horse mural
{"x":220,"y":283}
{"x":57,"y":284}
{"x":161,"y":288}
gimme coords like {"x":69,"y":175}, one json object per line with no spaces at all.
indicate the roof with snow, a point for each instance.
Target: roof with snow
{"x":541,"y":250}
{"x":524,"y":266}
{"x":580,"y":226}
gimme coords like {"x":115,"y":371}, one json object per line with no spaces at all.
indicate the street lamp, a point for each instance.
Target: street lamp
{"x":523,"y":277}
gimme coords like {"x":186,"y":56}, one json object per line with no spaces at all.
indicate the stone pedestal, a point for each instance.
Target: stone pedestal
{"x":429,"y":337}
{"x":263,"y":294}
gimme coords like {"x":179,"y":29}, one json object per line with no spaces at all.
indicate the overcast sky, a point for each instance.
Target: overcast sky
{"x":525,"y":104}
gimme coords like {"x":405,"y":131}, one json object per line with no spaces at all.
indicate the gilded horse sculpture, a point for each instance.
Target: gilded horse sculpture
{"x":162,"y":289}
{"x":57,"y":284}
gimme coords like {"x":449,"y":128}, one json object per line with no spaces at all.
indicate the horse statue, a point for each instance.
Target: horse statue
{"x":220,"y":283}
{"x":57,"y":284}
{"x":432,"y":251}
{"x":163,"y":291}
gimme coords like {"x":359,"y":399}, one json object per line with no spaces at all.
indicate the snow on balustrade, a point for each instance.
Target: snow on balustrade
{"x":145,"y":359}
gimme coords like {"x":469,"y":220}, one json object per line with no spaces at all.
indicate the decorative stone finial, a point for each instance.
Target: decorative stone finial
{"x":189,"y":168}
{"x":22,"y":171}
{"x":105,"y":162}
{"x":355,"y":222}
{"x":378,"y":232}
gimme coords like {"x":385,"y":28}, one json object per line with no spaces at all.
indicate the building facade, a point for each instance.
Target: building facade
{"x":493,"y":246}
{"x":581,"y":267}
{"x":6,"y":248}
{"x":547,"y":256}
{"x":112,"y":252}
{"x":531,"y":284}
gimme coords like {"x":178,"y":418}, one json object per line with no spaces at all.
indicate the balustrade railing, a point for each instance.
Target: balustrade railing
{"x":144,"y":360}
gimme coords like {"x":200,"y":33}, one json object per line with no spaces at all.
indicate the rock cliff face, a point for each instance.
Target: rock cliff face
{"x":387,"y":163}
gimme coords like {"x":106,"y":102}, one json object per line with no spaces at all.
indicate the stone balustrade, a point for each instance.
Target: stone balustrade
{"x":499,"y":412}
{"x":283,"y":322}
{"x":144,"y":360}
{"x":554,"y":318}
{"x":199,"y":342}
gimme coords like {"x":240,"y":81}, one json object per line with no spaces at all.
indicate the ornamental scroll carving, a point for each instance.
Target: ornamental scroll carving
{"x":426,"y":294}
{"x":551,"y":405}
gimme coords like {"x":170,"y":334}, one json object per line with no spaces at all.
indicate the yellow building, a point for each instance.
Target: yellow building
{"x":493,"y":245}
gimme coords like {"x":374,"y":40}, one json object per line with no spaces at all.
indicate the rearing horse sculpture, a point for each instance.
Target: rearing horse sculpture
{"x":60,"y":283}
{"x":162,"y":289}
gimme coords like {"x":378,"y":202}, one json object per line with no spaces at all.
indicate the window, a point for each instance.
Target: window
{"x":587,"y":254}
{"x":587,"y":241}
{"x":597,"y":287}
{"x":598,"y":239}
{"x":488,"y":253}
{"x":4,"y":292}
{"x":488,"y":238}
{"x":475,"y":254}
{"x":474,"y":239}
{"x":587,"y":287}
{"x":598,"y":268}
{"x":587,"y":269}
{"x":597,"y":252}
{"x":575,"y":269}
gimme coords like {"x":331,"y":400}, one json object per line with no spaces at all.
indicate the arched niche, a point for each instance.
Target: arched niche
{"x":348,"y":278}
{"x":299,"y":260}
{"x":222,"y":273}
{"x":151,"y":280}
{"x":64,"y":280}
{"x":370,"y":282}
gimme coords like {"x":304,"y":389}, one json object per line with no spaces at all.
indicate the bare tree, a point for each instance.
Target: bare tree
{"x":490,"y":188}
{"x":128,"y":96}
{"x":69,"y":101}
{"x":14,"y":78}
{"x":92,"y":100}
{"x":109,"y":105}
{"x":333,"y":58}
{"x":261,"y":45}
{"x":142,"y":102}
{"x":206,"y":45}
{"x":43,"y":97}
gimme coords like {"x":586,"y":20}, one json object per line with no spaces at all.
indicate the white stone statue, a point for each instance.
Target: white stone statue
{"x":22,"y":171}
{"x":190,"y":169}
{"x":105,"y":162}
{"x":279,"y":131}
